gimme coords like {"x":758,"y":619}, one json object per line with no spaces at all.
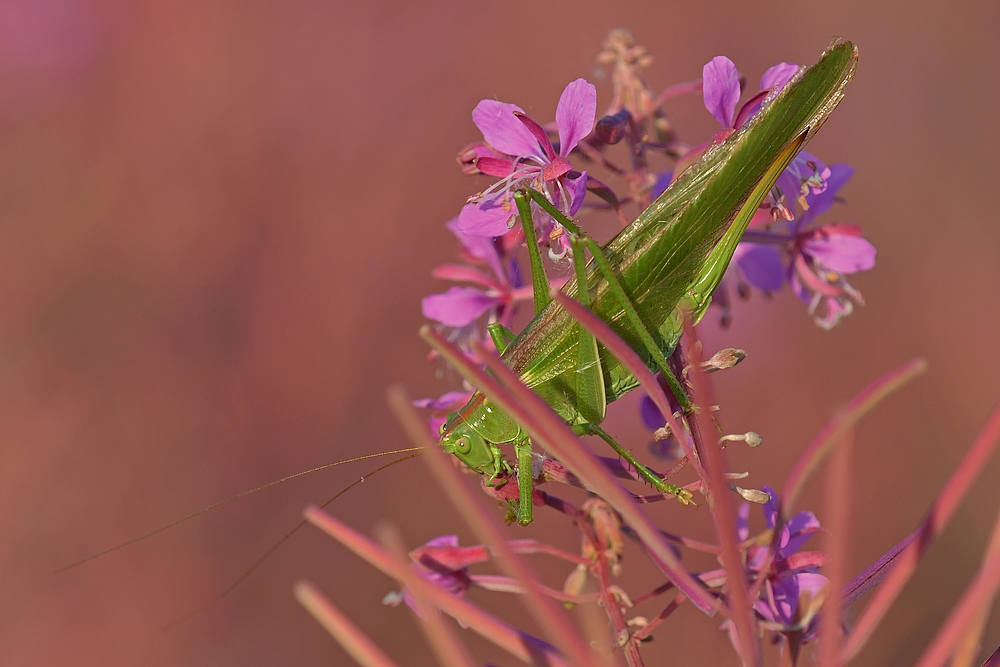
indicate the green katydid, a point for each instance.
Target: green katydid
{"x":668,"y":261}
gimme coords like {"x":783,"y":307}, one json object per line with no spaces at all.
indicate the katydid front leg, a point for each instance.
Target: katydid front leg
{"x":501,"y":336}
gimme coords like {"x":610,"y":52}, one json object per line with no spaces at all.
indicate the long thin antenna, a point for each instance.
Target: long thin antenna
{"x":229,"y":500}
{"x":200,"y":608}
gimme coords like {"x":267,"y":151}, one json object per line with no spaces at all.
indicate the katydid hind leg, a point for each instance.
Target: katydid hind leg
{"x":631,"y":313}
{"x":683,"y":495}
{"x":590,"y":391}
{"x":525,"y":480}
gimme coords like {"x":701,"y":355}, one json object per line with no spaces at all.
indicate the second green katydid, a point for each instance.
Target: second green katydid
{"x":668,"y":261}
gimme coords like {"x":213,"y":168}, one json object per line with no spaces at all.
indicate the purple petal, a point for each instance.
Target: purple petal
{"x":662,"y":182}
{"x":798,"y":288}
{"x":804,"y":166}
{"x":502,"y":130}
{"x":750,"y":107}
{"x":776,"y":77}
{"x":810,"y":582}
{"x":721,"y":87}
{"x":788,"y":592}
{"x":481,"y":247}
{"x":577,"y":191}
{"x":575,"y":114}
{"x":444,"y":540}
{"x":771,"y":506}
{"x":488,"y":218}
{"x":443,"y":402}
{"x":794,"y":536}
{"x":558,"y":168}
{"x":842,"y":253}
{"x":456,"y":307}
{"x":760,"y":265}
{"x":539,"y":133}
{"x":651,"y":415}
{"x":743,"y":522}
{"x":495,"y":166}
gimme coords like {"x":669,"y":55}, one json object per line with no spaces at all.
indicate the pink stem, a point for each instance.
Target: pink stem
{"x":350,"y":636}
{"x":838,"y":510}
{"x":937,"y":519}
{"x":550,"y":617}
{"x":519,"y":644}
{"x":721,"y":505}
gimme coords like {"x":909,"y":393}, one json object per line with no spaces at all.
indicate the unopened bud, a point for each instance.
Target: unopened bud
{"x":752,"y":438}
{"x":753,"y":495}
{"x":576,"y":581}
{"x":611,"y":129}
{"x":723,"y":359}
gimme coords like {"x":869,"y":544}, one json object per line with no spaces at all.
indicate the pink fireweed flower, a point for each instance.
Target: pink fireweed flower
{"x":721,"y":92}
{"x":819,"y":257}
{"x":754,"y":264}
{"x":445,"y":564}
{"x":793,"y":589}
{"x":822,"y":257}
{"x":441,"y":406}
{"x":495,"y":295}
{"x":518,"y":151}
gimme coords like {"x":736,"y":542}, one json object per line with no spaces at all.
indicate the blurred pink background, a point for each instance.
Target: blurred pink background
{"x":217,"y":220}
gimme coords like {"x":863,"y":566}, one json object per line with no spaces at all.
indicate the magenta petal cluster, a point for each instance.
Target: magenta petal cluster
{"x":721,"y":89}
{"x":460,"y":306}
{"x":522,"y":154}
{"x":443,"y":563}
{"x":823,"y":256}
{"x":793,"y":585}
{"x":819,"y":257}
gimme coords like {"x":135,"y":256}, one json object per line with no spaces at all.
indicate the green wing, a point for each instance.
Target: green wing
{"x":662,"y":255}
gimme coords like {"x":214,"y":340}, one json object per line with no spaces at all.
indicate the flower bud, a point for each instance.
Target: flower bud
{"x":723,"y":359}
{"x":611,"y":129}
{"x":576,"y":581}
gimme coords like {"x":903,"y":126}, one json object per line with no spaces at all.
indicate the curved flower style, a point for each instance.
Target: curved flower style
{"x":518,"y":152}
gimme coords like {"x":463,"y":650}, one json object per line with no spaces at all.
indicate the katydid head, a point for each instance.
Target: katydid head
{"x":460,"y":439}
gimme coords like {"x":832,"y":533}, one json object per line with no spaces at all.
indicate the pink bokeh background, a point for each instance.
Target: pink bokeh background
{"x":217,"y":220}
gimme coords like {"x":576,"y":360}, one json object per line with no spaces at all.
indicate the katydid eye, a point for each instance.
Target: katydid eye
{"x":463,"y":445}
